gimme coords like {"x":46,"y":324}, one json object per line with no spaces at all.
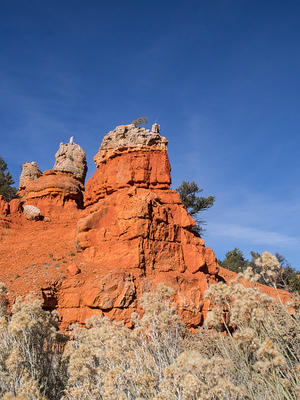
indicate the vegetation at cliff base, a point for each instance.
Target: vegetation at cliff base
{"x":258,"y":358}
{"x":286,"y":276}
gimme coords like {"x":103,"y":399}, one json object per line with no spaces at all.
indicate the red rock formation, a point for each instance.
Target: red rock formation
{"x":136,"y":229}
{"x":133,"y":233}
{"x":60,"y":187}
{"x":53,"y":190}
{"x":4,"y":211}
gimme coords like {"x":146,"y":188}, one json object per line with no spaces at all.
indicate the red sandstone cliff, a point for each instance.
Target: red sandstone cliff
{"x":100,"y":253}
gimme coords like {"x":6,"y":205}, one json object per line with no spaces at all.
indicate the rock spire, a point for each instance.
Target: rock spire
{"x":71,"y":158}
{"x":30,"y":172}
{"x":59,"y":186}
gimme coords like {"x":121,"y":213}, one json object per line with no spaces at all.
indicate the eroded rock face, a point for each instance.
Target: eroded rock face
{"x":4,"y":211}
{"x":4,"y":206}
{"x":143,"y":169}
{"x":132,"y":233}
{"x":53,"y":190}
{"x":136,"y":224}
{"x":60,"y":187}
{"x":71,"y":158}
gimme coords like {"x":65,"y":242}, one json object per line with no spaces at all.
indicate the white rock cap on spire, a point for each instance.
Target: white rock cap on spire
{"x":71,"y":158}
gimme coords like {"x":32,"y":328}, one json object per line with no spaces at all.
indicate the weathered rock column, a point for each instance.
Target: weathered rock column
{"x":136,"y":228}
{"x":60,"y":187}
{"x":71,"y":158}
{"x":30,"y":172}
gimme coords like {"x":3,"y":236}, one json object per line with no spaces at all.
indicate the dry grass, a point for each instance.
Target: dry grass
{"x":160,"y":359}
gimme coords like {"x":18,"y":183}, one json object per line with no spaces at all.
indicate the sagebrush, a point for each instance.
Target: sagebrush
{"x":248,"y":349}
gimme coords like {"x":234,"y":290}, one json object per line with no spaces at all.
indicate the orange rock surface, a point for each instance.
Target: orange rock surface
{"x":100,"y":256}
{"x":53,"y":189}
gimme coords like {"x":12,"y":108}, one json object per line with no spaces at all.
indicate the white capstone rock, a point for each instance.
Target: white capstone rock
{"x":130,"y":138}
{"x":30,"y":172}
{"x":71,"y":158}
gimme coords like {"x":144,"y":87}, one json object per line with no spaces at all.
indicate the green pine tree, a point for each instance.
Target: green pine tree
{"x":188,"y":192}
{"x":234,"y":261}
{"x":288,"y":279}
{"x":6,"y":190}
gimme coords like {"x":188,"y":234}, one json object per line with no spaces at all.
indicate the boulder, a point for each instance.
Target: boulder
{"x":31,"y":212}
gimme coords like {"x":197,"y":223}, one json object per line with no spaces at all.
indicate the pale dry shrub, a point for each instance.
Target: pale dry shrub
{"x":269,"y":267}
{"x":262,"y":341}
{"x":3,"y":300}
{"x":248,"y":349}
{"x":193,"y":376}
{"x":30,"y":366}
{"x":108,"y":361}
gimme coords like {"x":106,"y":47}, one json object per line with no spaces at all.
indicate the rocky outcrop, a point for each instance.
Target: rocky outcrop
{"x":100,"y":254}
{"x":129,"y":156}
{"x":130,"y":138}
{"x":60,"y":187}
{"x":4,"y":211}
{"x":4,"y":206}
{"x":71,"y":158}
{"x":135,"y":224}
{"x":54,"y":189}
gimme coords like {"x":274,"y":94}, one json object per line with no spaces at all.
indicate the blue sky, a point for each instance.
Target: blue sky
{"x":222,"y":78}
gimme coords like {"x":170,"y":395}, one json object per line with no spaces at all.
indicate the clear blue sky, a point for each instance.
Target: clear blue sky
{"x":221,"y":77}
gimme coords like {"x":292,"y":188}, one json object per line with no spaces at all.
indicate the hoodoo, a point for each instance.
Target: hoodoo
{"x":71,"y":158}
{"x":56,"y":187}
{"x":99,"y":253}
